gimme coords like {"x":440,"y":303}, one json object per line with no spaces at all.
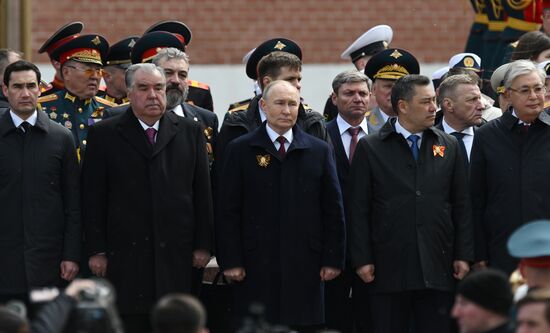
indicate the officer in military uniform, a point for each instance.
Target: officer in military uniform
{"x":76,"y":106}
{"x":474,"y":44}
{"x":199,"y":93}
{"x":368,"y":44}
{"x":116,"y":63}
{"x":66,"y":33}
{"x":497,"y":83}
{"x":384,"y":68}
{"x":251,"y":60}
{"x":491,"y":39}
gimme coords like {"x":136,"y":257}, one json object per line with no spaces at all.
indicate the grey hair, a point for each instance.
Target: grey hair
{"x":447,"y":88}
{"x":273,"y":84}
{"x":522,"y":67}
{"x":146,"y":67}
{"x":170,"y":53}
{"x":350,"y":76}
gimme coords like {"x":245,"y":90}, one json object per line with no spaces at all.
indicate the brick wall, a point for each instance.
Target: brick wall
{"x":224,"y":30}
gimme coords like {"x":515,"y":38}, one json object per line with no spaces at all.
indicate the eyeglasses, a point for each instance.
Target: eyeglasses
{"x":89,"y":71}
{"x":526,"y":91}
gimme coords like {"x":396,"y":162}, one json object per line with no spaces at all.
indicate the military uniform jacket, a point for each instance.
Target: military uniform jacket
{"x":375,"y":120}
{"x":200,"y":95}
{"x":410,"y":219}
{"x":147,"y":207}
{"x":39,"y":191}
{"x":282,"y":220}
{"x":75,"y":114}
{"x":509,"y":184}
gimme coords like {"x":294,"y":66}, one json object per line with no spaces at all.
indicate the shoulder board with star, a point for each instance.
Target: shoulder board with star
{"x":197,"y":84}
{"x":307,"y":108}
{"x":238,"y":104}
{"x":104,"y":101}
{"x":47,"y":98}
{"x":243,"y":107}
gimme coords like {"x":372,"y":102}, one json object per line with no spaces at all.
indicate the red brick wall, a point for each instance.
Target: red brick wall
{"x":224,"y":30}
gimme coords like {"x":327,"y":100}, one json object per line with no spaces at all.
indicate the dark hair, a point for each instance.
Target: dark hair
{"x":178,"y":313}
{"x":537,"y":296}
{"x":20,"y":66}
{"x":404,"y":88}
{"x":530,"y":45}
{"x":271,"y":64}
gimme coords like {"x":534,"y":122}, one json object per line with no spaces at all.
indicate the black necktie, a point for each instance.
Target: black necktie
{"x":459,"y":136}
{"x":24,"y":128}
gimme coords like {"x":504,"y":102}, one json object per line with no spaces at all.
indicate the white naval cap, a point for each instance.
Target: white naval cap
{"x":370,"y":43}
{"x":438,"y":74}
{"x":545,"y":66}
{"x":466,"y":60}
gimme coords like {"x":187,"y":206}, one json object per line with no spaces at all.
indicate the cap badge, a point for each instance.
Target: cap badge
{"x":279,"y":46}
{"x":385,"y":44}
{"x":132,"y":43}
{"x":469,"y":62}
{"x":96,"y":41}
{"x":395,"y":54}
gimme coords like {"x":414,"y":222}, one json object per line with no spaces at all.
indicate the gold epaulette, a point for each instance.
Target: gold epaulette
{"x":47,"y":98}
{"x":239,"y":103}
{"x":239,"y":108}
{"x":104,"y":101}
{"x":307,"y":108}
{"x":198,"y":84}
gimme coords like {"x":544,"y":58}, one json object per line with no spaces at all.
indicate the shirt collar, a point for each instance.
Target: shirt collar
{"x":401,"y":130}
{"x":263,"y":117}
{"x":343,"y":125}
{"x":520,"y":122}
{"x":448,"y":129}
{"x":18,"y":121}
{"x":274,"y":135}
{"x":145,"y":126}
{"x":179,"y":111}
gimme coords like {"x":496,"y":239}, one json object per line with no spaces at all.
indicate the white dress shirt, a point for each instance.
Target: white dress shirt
{"x":401,"y":130}
{"x":179,"y":111}
{"x":343,"y":127}
{"x":468,"y":138}
{"x":273,"y":136}
{"x":18,"y":121}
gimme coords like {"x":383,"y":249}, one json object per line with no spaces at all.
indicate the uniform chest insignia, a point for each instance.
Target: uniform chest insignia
{"x":68,"y":124}
{"x":263,"y":160}
{"x":438,"y":150}
{"x":98,"y":113}
{"x":53,"y":115}
{"x":195,"y":119}
{"x":373,"y":120}
{"x":65,"y":115}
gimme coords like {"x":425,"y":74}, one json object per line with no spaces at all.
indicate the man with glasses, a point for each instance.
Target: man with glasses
{"x":76,"y":106}
{"x":509,"y":162}
{"x":117,"y":62}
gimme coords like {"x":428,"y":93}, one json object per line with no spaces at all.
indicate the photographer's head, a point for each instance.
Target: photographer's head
{"x":11,"y":322}
{"x":179,"y":313}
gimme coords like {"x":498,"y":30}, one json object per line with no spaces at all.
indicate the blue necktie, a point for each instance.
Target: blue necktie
{"x":413,"y":138}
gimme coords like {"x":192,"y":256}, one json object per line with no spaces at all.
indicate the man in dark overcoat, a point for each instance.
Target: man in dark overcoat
{"x":40,"y":231}
{"x":410,"y":220}
{"x":148,"y":207}
{"x":281,"y":227}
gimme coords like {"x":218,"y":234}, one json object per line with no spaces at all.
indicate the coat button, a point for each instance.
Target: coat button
{"x":80,"y":110}
{"x":84,"y":142}
{"x":81,"y":126}
{"x":418,"y":193}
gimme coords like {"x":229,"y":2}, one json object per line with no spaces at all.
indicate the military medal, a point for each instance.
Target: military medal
{"x":53,"y":115}
{"x":438,"y":150}
{"x":208,"y":132}
{"x":263,"y":160}
{"x":65,"y":116}
{"x":68,"y":124}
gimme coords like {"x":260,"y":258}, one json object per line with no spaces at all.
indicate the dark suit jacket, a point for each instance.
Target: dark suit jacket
{"x":40,"y":215}
{"x":410,"y":219}
{"x":282,"y":220}
{"x":509,"y":184}
{"x":342,"y":161}
{"x":146,"y":207}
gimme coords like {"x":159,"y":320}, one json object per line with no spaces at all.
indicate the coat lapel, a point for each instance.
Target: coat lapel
{"x":262,"y":140}
{"x":334,"y":132}
{"x":168,"y":128}
{"x":6,"y":123}
{"x":130,"y":128}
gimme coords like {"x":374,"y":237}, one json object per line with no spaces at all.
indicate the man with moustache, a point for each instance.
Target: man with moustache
{"x":508,"y":179}
{"x":147,"y":206}
{"x":76,"y":106}
{"x":39,"y":190}
{"x":410,"y":221}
